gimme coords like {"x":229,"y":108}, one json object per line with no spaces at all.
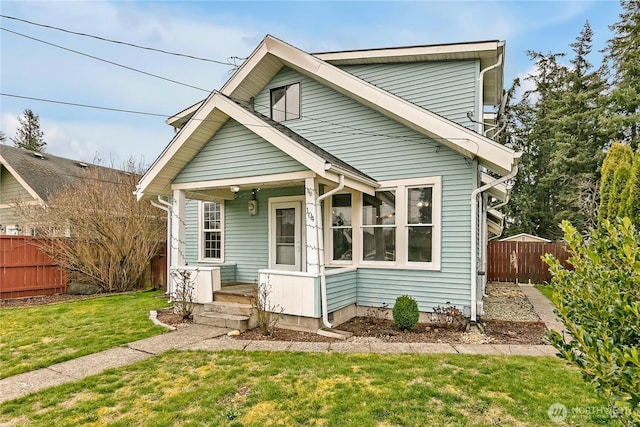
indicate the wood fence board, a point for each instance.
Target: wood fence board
{"x":25,"y":270}
{"x":522,"y":261}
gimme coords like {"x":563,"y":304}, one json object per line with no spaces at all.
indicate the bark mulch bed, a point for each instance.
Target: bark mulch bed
{"x":383,"y":330}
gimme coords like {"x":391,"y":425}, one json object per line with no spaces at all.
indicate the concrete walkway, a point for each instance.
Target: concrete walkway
{"x":202,"y":337}
{"x":543,"y":307}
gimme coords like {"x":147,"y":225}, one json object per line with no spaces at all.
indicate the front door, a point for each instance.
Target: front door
{"x":286,"y":236}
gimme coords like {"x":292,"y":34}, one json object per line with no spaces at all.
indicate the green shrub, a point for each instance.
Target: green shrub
{"x":405,"y":313}
{"x":599,"y":304}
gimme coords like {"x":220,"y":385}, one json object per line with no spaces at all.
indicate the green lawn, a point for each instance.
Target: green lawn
{"x":546,"y":290}
{"x":233,"y":388}
{"x":35,"y":337}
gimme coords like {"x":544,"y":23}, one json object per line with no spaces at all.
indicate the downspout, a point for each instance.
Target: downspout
{"x":502,"y":223}
{"x":474,"y":235}
{"x":166,"y":206}
{"x":481,"y":94}
{"x":320,"y":231}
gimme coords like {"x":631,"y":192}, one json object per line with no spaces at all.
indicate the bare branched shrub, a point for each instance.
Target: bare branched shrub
{"x":183,"y":293}
{"x":268,"y":314}
{"x":448,"y":316}
{"x":96,"y":229}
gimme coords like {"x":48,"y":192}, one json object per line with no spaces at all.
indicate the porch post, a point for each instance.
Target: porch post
{"x":312,"y":223}
{"x":177,"y":229}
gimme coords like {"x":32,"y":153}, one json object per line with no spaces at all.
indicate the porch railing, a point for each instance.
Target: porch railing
{"x":294,"y":292}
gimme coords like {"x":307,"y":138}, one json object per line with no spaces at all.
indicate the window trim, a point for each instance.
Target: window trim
{"x":395,"y":226}
{"x":330,"y":228}
{"x":401,"y":188}
{"x":201,"y":231}
{"x":285,"y":87}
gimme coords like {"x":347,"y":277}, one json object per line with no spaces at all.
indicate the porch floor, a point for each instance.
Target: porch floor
{"x":237,"y":288}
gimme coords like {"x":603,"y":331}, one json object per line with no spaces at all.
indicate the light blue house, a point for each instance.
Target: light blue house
{"x":341,"y":180}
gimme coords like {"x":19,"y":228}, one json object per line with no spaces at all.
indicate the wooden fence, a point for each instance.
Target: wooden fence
{"x":521,"y":262}
{"x":27,"y":271}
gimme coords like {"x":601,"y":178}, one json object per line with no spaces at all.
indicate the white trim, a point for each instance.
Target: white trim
{"x":195,"y":135}
{"x":361,"y":260}
{"x":453,"y":135}
{"x":401,"y":225}
{"x":297,"y":202}
{"x":201,"y":232}
{"x":248,"y":181}
{"x":329,"y":228}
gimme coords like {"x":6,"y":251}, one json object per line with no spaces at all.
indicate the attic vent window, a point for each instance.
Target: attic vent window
{"x":83,"y":165}
{"x":37,"y":155}
{"x":285,"y":102}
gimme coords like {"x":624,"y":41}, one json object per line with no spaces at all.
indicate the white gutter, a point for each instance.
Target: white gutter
{"x":474,"y":233}
{"x":166,"y":206}
{"x":321,"y":269}
{"x":480,"y":116}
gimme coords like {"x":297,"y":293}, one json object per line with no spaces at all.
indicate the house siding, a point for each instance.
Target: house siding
{"x":10,"y":188}
{"x":10,"y":192}
{"x":341,"y":290}
{"x":447,"y":88}
{"x":235,"y":152}
{"x":387,"y":150}
{"x":246,"y":239}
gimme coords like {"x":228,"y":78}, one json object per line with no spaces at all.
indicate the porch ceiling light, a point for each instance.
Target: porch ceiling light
{"x":234,"y":189}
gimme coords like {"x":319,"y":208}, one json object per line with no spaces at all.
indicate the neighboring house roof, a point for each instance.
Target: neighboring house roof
{"x":211,"y":116}
{"x":201,"y":121}
{"x":525,"y":237}
{"x":42,"y":174}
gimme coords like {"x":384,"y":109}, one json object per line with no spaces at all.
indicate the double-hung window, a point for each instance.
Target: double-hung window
{"x":341,"y":227}
{"x":285,"y":102}
{"x":420,"y":224}
{"x":379,"y":226}
{"x":211,"y":235}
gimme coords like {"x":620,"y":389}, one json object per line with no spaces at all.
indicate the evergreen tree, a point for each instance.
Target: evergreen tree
{"x":633,"y":192}
{"x":532,"y":122}
{"x":557,"y":127}
{"x":623,"y":50}
{"x":579,"y":150}
{"x":29,"y":135}
{"x":614,"y":180}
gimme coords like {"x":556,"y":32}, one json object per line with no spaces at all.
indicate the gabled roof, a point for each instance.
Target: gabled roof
{"x":211,"y":116}
{"x":273,"y":54}
{"x":42,"y":174}
{"x":487,"y":52}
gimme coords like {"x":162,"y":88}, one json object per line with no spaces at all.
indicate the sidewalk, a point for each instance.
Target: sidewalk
{"x":202,"y":337}
{"x":543,"y":307}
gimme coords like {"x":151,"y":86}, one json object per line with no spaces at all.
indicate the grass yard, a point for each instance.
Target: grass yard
{"x":234,"y":388}
{"x":39,"y":336}
{"x":545,"y":290}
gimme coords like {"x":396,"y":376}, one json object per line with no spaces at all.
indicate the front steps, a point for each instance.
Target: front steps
{"x":231,"y":310}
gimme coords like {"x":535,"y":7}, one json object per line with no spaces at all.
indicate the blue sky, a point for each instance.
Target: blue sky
{"x":219,"y":30}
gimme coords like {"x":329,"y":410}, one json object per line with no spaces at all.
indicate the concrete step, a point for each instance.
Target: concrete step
{"x":241,"y":323}
{"x":224,"y":307}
